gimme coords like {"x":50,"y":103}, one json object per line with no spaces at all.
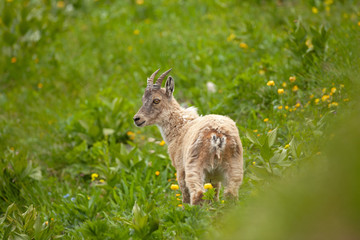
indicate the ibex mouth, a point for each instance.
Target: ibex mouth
{"x":139,"y":124}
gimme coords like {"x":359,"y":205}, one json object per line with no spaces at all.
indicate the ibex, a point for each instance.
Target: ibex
{"x":202,"y":148}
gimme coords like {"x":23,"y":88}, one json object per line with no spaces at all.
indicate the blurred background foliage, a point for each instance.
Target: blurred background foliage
{"x":72,"y":75}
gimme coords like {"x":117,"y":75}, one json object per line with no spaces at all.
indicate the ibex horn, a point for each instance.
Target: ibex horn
{"x":150,"y":80}
{"x":161,"y":78}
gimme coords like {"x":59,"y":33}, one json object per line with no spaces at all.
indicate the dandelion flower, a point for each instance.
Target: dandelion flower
{"x":346,"y":99}
{"x":157,"y":173}
{"x":60,"y":4}
{"x":297,"y":105}
{"x":284,"y":84}
{"x":231,"y":37}
{"x":295,"y":88}
{"x":136,"y":32}
{"x":208,"y":186}
{"x":180,"y":205}
{"x":287,"y":146}
{"x":46,"y":223}
{"x":314,"y":10}
{"x":286,"y":107}
{"x":333,"y":90}
{"x":280,"y":91}
{"x":342,"y":85}
{"x":292,"y":79}
{"x":139,"y":2}
{"x":261,"y":72}
{"x":40,"y":85}
{"x":88,"y":197}
{"x":102,"y":180}
{"x":253,"y":163}
{"x":359,"y":23}
{"x":178,"y":199}
{"x":13,"y":60}
{"x":266,"y":120}
{"x":178,"y":194}
{"x":222,"y":201}
{"x":174,"y":187}
{"x":329,"y":2}
{"x":162,"y":143}
{"x":317,"y":101}
{"x":280,"y":107}
{"x":311,"y":96}
{"x":325,"y":97}
{"x":258,"y":135}
{"x":255,"y":131}
{"x":94,"y":176}
{"x":243,"y":45}
{"x":270,"y":83}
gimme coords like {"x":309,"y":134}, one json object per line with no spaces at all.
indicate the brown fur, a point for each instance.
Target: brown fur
{"x":202,"y":148}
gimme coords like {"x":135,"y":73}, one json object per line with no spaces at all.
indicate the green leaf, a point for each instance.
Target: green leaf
{"x":251,"y":136}
{"x":278,"y":157}
{"x":266,"y":152}
{"x":272,"y":137}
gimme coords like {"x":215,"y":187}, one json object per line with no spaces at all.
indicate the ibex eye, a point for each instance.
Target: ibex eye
{"x":156,"y":101}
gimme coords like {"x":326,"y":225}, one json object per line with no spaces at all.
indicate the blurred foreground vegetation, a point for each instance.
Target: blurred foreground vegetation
{"x":73,"y":165}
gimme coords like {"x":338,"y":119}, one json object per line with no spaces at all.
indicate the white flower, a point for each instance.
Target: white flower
{"x":211,"y":87}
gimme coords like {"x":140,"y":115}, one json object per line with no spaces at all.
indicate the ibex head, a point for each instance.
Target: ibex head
{"x":156,"y":100}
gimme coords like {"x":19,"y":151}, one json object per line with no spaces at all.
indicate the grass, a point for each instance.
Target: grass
{"x":74,"y":166}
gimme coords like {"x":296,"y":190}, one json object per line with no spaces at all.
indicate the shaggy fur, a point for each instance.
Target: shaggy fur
{"x":202,"y":148}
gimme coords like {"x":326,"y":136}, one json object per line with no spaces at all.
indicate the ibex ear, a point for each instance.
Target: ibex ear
{"x":169,"y":85}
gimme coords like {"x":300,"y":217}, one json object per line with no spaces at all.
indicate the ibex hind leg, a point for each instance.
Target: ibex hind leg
{"x":234,"y":177}
{"x":194,"y":181}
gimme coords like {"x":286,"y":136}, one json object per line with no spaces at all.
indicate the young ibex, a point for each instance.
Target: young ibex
{"x":201,"y":148}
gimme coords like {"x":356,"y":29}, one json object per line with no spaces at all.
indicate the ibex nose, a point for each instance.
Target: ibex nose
{"x":136,"y":119}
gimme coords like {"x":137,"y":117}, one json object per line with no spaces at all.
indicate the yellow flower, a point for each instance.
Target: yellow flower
{"x":40,"y":85}
{"x":208,"y":186}
{"x":157,"y":173}
{"x":178,"y":199}
{"x":297,"y":105}
{"x":46,"y":223}
{"x":295,"y":88}
{"x":270,"y":130}
{"x":342,"y":85}
{"x":102,"y":180}
{"x":136,"y":32}
{"x":292,"y":79}
{"x":139,"y":2}
{"x":280,"y":91}
{"x":12,"y":149}
{"x":258,"y":135}
{"x":359,"y":23}
{"x":270,"y":83}
{"x":333,"y":104}
{"x":314,"y":10}
{"x":328,"y":2}
{"x":94,"y":176}
{"x":231,"y":37}
{"x":178,"y":194}
{"x":308,"y":43}
{"x":13,"y":60}
{"x":243,"y":45}
{"x":325,"y":97}
{"x":324,"y":90}
{"x":253,"y":163}
{"x":287,"y":146}
{"x":346,"y":99}
{"x":88,"y":197}
{"x":162,"y":143}
{"x":283,"y":84}
{"x":222,"y":201}
{"x":255,"y":131}
{"x":266,"y":119}
{"x":311,"y":96}
{"x":130,"y":133}
{"x":317,"y":101}
{"x":52,"y":219}
{"x":60,"y":4}
{"x":286,"y":107}
{"x":280,"y":107}
{"x":174,"y":187}
{"x":333,"y":90}
{"x":261,"y":72}
{"x":180,"y":205}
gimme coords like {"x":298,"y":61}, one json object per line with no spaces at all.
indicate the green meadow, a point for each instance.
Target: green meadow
{"x":72,"y":73}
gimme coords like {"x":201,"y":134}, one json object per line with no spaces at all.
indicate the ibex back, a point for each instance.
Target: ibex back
{"x":201,"y":148}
